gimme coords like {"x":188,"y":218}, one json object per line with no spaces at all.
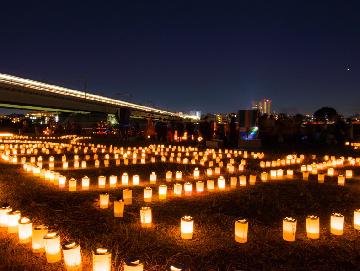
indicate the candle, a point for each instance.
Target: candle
{"x":4,"y":215}
{"x":241,"y":230}
{"x":145,"y":217}
{"x":337,"y":224}
{"x":72,"y":256}
{"x":147,"y":194}
{"x":221,"y":183}
{"x":118,"y":208}
{"x":52,"y":247}
{"x":72,"y":185}
{"x":187,"y":227}
{"x":162,"y":191}
{"x":242,"y":180}
{"x":133,"y":265}
{"x":85,"y":183}
{"x":125,"y":179}
{"x":13,"y":221}
{"x":104,"y":201}
{"x":136,"y":180}
{"x":200,"y":186}
{"x":153,"y":178}
{"x":341,"y":180}
{"x":252,"y":179}
{"x":210,"y":185}
{"x":357,"y":219}
{"x":289,"y":229}
{"x":25,"y":230}
{"x":113,"y":181}
{"x":188,"y":188}
{"x":101,"y":181}
{"x":312,"y":227}
{"x":38,"y":241}
{"x":177,"y":189}
{"x":101,"y":260}
{"x":127,"y":196}
{"x":168,"y":176}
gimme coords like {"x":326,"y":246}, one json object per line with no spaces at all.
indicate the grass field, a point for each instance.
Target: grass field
{"x":77,"y":216}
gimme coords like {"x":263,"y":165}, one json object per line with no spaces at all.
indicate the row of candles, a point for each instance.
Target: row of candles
{"x":60,"y":180}
{"x":44,"y":240}
{"x":241,"y":225}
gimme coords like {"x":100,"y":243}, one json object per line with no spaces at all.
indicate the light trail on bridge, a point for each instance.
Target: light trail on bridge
{"x":35,"y":85}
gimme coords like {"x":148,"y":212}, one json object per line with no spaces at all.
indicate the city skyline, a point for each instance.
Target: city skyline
{"x":188,"y":56}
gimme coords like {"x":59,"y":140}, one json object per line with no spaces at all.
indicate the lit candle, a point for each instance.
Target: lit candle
{"x":305,"y":175}
{"x":187,"y":227}
{"x":104,"y":201}
{"x":145,"y":217}
{"x":178,"y":175}
{"x":200,"y":186}
{"x":241,"y":230}
{"x":52,"y":247}
{"x":349,"y":173}
{"x":273,"y":174}
{"x":101,"y":181}
{"x":72,"y":185}
{"x":168,"y":176}
{"x":136,"y":180}
{"x":72,"y":256}
{"x":125,"y":179}
{"x":13,"y":221}
{"x":177,"y":189}
{"x":357,"y":219}
{"x":118,"y":208}
{"x":312,"y":227}
{"x":210,"y":185}
{"x":62,"y":181}
{"x":127,"y":196}
{"x":101,"y":260}
{"x":221,"y":183}
{"x":85,"y":183}
{"x":178,"y":267}
{"x":4,"y":215}
{"x":289,"y":229}
{"x":188,"y":188}
{"x":113,"y":181}
{"x":341,"y":180}
{"x":83,"y":164}
{"x":38,"y":241}
{"x":133,"y":265}
{"x":337,"y":224}
{"x":233,"y":181}
{"x":196,"y":173}
{"x":242,"y":180}
{"x":147,"y":194}
{"x":264,"y":177}
{"x":321,"y":178}
{"x":162,"y":191}
{"x":153,"y":178}
{"x":252,"y":179}
{"x":25,"y":230}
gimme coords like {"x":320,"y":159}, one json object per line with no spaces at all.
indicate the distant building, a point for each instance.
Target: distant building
{"x":264,"y":106}
{"x":195,"y":113}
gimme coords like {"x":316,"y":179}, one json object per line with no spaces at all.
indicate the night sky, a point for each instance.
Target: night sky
{"x":213,"y":56}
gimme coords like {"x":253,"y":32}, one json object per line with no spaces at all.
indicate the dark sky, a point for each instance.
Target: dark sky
{"x":213,"y":56}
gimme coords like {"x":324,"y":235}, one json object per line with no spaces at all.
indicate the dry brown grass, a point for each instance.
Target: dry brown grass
{"x":77,"y":216}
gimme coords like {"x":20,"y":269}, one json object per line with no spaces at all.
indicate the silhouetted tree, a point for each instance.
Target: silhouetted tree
{"x":326,"y":114}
